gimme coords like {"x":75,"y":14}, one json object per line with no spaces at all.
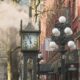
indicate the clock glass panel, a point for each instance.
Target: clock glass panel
{"x":30,"y":41}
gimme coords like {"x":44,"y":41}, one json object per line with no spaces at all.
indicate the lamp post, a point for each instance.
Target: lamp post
{"x":62,"y":38}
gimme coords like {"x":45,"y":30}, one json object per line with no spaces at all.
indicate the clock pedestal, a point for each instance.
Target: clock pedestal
{"x":30,"y":67}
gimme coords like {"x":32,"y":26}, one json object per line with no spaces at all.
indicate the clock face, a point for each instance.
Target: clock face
{"x":30,"y":41}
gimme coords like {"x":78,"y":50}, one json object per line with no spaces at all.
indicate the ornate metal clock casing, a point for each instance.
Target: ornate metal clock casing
{"x":30,"y":38}
{"x":30,"y":41}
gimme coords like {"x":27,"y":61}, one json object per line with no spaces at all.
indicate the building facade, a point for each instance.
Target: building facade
{"x":76,"y":29}
{"x":69,"y":9}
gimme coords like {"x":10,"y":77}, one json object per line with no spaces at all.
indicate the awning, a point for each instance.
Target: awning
{"x":46,"y":69}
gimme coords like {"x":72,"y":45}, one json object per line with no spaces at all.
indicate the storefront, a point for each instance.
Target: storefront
{"x":46,"y":71}
{"x":72,"y":66}
{"x":71,"y":70}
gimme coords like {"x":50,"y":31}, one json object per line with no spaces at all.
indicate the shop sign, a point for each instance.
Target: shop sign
{"x":72,"y":68}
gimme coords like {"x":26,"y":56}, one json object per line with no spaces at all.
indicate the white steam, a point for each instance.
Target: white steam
{"x":11,"y":14}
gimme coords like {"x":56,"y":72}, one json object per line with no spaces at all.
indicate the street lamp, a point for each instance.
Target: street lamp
{"x":62,"y":38}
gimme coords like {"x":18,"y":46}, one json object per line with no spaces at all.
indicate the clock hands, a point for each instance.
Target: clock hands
{"x":30,"y":41}
{"x":29,"y":37}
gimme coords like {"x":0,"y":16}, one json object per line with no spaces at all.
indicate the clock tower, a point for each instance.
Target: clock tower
{"x":30,"y":42}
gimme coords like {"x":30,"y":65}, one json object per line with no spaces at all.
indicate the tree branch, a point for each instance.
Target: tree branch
{"x":45,"y":12}
{"x":38,"y":3}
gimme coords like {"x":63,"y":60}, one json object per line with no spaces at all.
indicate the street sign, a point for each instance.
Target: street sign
{"x":72,"y":68}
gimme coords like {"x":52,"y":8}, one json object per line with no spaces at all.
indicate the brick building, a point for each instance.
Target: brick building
{"x":76,"y":28}
{"x":57,"y":8}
